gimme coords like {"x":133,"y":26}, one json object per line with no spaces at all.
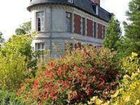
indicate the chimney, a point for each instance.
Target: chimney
{"x":96,"y":2}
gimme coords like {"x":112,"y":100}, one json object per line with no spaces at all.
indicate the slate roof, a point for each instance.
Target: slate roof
{"x":84,"y":5}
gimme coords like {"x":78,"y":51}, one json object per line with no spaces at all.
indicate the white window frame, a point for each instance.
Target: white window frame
{"x":39,"y":46}
{"x":69,"y":25}
{"x":40,"y":15}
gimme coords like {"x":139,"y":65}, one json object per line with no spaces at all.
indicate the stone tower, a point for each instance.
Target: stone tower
{"x":65,"y":22}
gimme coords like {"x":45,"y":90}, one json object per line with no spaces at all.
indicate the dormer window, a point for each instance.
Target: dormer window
{"x":40,"y":21}
{"x":70,"y":1}
{"x":97,"y":10}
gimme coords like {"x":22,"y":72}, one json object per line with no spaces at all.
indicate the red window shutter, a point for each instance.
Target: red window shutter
{"x":89,"y":28}
{"x":93,"y":28}
{"x":101,"y":36}
{"x":77,"y":24}
{"x":103,"y":31}
{"x":99,"y":31}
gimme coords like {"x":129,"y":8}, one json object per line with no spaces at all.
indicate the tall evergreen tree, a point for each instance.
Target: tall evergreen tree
{"x":113,"y":34}
{"x":132,"y":28}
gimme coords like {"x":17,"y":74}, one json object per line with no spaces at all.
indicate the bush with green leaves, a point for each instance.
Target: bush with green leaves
{"x":130,"y":64}
{"x":127,"y":94}
{"x":129,"y":90}
{"x":15,"y":60}
{"x":12,"y":70}
{"x":9,"y":98}
{"x":74,"y":78}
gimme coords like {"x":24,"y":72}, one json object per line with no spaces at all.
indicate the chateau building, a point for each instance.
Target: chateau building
{"x":63,"y":22}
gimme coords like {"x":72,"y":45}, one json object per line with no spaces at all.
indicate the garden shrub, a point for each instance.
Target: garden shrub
{"x":127,"y":94}
{"x":15,"y":58}
{"x":129,"y":90}
{"x":21,"y":44}
{"x":74,"y":78}
{"x":12,"y":71}
{"x":8,"y":98}
{"x":130,"y":64}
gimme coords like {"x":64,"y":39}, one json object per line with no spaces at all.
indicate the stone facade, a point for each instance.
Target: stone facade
{"x":54,"y":35}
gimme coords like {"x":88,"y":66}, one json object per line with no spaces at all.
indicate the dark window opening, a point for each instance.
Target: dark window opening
{"x":83,"y":26}
{"x":38,"y":24}
{"x":40,"y":21}
{"x":95,"y":29}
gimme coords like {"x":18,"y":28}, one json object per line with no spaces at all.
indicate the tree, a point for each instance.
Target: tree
{"x":17,"y":61}
{"x":113,"y":34}
{"x":25,"y":28}
{"x":132,"y":28}
{"x":15,"y":55}
{"x":1,"y":34}
{"x":1,"y":38}
{"x":19,"y":31}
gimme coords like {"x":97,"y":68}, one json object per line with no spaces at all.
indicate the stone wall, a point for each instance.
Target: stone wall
{"x":55,"y":36}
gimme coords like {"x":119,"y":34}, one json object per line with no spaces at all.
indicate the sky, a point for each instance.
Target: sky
{"x":14,"y":12}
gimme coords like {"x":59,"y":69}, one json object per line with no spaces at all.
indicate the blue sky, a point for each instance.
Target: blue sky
{"x":14,"y":12}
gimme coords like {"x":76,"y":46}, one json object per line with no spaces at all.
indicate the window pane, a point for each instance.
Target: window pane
{"x":95,"y":27}
{"x":36,"y":47}
{"x":39,"y":46}
{"x":43,"y":46}
{"x":39,"y":24}
{"x":69,"y":21}
{"x":40,"y":21}
{"x":83,"y":26}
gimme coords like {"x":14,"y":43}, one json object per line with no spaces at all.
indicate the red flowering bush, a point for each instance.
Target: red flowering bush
{"x":74,"y":78}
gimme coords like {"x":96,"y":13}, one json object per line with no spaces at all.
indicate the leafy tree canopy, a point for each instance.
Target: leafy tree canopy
{"x":113,"y":34}
{"x":25,"y":28}
{"x":132,"y":28}
{"x":1,"y":37}
{"x":15,"y":56}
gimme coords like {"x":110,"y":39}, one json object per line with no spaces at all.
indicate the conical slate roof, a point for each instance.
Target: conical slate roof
{"x":84,"y":5}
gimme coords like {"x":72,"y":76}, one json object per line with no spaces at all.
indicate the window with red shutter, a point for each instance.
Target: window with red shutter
{"x":82,"y":26}
{"x":77,"y":24}
{"x":95,"y":30}
{"x":89,"y":28}
{"x":103,"y":31}
{"x":99,"y":31}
